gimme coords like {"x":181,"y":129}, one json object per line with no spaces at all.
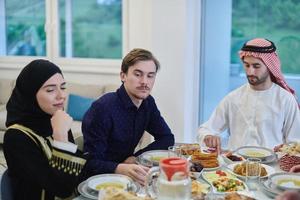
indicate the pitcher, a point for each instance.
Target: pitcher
{"x":173,"y":182}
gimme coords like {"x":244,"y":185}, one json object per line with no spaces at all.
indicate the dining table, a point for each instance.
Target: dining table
{"x":258,"y":194}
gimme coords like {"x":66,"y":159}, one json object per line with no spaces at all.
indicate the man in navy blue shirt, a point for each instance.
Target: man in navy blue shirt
{"x":115,"y":123}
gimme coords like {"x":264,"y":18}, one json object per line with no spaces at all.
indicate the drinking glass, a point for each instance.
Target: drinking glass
{"x":253,"y":167}
{"x":174,"y":151}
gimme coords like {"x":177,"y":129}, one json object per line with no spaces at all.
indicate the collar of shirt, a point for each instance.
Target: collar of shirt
{"x":127,"y":102}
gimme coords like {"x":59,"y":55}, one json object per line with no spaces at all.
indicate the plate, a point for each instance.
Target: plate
{"x":212,"y":176}
{"x":268,"y":189}
{"x":270,"y":170}
{"x":255,"y":152}
{"x":228,"y":161}
{"x":86,"y":192}
{"x":286,"y":181}
{"x":152,"y":158}
{"x":104,"y":180}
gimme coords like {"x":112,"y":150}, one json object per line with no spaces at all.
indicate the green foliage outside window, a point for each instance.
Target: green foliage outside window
{"x":96,"y":28}
{"x":276,"y":20}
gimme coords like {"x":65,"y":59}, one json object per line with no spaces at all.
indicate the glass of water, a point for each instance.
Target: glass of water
{"x":253,"y":170}
{"x":174,"y":151}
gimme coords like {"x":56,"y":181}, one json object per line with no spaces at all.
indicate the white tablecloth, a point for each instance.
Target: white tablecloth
{"x":259,"y":194}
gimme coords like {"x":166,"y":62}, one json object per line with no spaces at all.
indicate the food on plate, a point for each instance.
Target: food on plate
{"x":207,"y":160}
{"x":196,"y":167}
{"x":290,"y":183}
{"x":236,"y":196}
{"x":157,"y":158}
{"x":233,"y":157}
{"x":215,"y":175}
{"x":289,"y":155}
{"x":291,"y":148}
{"x":225,"y":184}
{"x":199,"y":188}
{"x":119,"y":194}
{"x":256,"y":154}
{"x":189,"y":149}
{"x":240,"y":169}
{"x":109,"y":184}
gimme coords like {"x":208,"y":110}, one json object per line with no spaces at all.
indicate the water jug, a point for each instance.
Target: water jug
{"x":172,"y":180}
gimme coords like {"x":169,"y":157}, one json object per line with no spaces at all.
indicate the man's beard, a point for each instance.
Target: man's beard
{"x":257,"y":81}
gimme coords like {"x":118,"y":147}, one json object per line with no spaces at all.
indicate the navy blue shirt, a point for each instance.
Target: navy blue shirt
{"x":113,"y":126}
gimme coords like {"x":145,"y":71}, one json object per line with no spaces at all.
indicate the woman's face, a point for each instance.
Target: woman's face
{"x":52,"y":95}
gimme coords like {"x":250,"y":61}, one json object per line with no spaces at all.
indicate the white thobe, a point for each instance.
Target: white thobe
{"x":260,"y":118}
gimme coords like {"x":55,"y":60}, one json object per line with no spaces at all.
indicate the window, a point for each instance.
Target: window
{"x":85,"y":29}
{"x":278,"y":23}
{"x":90,"y":29}
{"x":226,"y":25}
{"x":23,"y":29}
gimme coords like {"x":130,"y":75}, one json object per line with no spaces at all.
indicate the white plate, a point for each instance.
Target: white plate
{"x":212,"y":176}
{"x":255,"y":152}
{"x":228,"y":161}
{"x":123,"y":180}
{"x":270,"y":170}
{"x":268,"y":189}
{"x":286,"y":181}
{"x":151,"y":158}
{"x":86,"y":192}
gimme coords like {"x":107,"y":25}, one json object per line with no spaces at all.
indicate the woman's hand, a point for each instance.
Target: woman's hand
{"x":213,"y":141}
{"x":136,"y":172}
{"x":61,"y":123}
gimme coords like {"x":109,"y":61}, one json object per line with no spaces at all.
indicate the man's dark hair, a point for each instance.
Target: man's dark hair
{"x":137,"y":55}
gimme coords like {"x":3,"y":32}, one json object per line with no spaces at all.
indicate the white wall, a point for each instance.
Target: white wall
{"x":168,"y":28}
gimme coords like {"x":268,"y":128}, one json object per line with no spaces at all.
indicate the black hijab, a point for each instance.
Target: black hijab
{"x":22,"y":107}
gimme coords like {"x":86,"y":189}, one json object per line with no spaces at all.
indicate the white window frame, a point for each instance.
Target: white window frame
{"x":77,"y":65}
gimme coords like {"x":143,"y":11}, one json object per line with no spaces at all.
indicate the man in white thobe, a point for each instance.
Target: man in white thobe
{"x":263,"y":112}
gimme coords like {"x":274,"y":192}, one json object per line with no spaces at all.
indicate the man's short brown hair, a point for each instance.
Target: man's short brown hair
{"x":137,"y":55}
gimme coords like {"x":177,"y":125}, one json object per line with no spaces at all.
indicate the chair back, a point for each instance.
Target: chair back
{"x":6,"y":187}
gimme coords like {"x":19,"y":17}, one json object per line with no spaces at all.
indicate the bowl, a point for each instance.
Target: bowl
{"x":286,"y":181}
{"x":255,"y":152}
{"x":152,"y":158}
{"x":103,"y":181}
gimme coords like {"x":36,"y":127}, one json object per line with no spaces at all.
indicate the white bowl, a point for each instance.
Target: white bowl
{"x":152,"y":158}
{"x":106,"y":180}
{"x":286,"y":181}
{"x":255,"y":152}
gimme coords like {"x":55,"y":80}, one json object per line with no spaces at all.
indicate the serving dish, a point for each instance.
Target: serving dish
{"x":88,"y":190}
{"x":286,"y":181}
{"x":223,"y":182}
{"x":152,"y":158}
{"x":270,"y":170}
{"x":102,"y":181}
{"x":264,"y":154}
{"x":230,"y":157}
{"x":269,"y":189}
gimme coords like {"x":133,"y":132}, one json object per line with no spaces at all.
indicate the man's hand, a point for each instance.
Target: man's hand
{"x":130,"y":160}
{"x":289,"y":195}
{"x":295,"y":169}
{"x":136,"y":172}
{"x":213,"y":141}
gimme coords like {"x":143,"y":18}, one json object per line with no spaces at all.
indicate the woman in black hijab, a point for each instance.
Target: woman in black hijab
{"x":43,"y":163}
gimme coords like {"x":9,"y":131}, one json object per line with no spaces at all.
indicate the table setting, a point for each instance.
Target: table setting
{"x":191,"y":172}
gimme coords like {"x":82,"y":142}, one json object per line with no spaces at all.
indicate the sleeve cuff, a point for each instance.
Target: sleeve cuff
{"x":66,"y":146}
